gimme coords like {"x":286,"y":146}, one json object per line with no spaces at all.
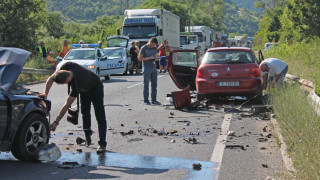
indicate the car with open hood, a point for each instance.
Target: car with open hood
{"x":118,"y":52}
{"x":224,"y":71}
{"x":24,"y":125}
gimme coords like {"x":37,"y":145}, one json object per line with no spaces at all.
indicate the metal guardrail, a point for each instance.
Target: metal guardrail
{"x":308,"y":86}
{"x":35,"y":71}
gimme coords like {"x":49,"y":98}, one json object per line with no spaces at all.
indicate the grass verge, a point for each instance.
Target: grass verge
{"x":300,"y":126}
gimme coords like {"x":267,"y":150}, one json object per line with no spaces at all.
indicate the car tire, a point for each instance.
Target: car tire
{"x":107,"y":77}
{"x":33,"y":132}
{"x":126,"y":71}
{"x":98,"y":72}
{"x":200,"y":97}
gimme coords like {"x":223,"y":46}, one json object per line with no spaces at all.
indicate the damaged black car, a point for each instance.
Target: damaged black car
{"x":24,"y":117}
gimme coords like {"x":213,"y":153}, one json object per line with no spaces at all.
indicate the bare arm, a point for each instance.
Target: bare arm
{"x":141,"y":58}
{"x":47,"y":87}
{"x":62,"y":112}
{"x":277,"y":77}
{"x":264,"y":81}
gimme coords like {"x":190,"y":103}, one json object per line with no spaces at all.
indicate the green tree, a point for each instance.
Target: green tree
{"x":55,"y":24}
{"x":19,"y":22}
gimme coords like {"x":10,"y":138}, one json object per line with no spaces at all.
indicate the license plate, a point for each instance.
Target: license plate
{"x":230,"y":83}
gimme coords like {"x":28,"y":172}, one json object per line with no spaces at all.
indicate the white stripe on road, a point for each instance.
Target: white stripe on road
{"x":141,"y":83}
{"x":220,"y":145}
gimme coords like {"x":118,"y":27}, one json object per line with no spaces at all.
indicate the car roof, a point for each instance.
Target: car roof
{"x":229,"y":48}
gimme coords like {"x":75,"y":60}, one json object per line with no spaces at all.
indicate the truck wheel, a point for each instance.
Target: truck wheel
{"x":33,"y":132}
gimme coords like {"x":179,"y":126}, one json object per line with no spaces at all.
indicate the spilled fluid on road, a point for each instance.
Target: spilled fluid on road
{"x":111,"y":159}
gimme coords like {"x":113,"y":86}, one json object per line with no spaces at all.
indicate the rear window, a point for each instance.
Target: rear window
{"x":227,"y":57}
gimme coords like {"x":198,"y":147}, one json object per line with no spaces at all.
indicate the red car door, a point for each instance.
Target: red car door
{"x":182,"y":66}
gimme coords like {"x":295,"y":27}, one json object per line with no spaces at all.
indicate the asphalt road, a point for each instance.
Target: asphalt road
{"x":158,"y":142}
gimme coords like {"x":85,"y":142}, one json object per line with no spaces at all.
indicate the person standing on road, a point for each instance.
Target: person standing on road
{"x":90,"y":88}
{"x":42,"y":51}
{"x":134,"y":57}
{"x":64,"y":48}
{"x":164,"y":50}
{"x":277,"y":70}
{"x":149,"y":55}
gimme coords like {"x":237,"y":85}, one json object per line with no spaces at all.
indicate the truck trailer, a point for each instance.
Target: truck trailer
{"x":204,"y":38}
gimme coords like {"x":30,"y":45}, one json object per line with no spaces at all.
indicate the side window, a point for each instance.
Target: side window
{"x":185,"y":59}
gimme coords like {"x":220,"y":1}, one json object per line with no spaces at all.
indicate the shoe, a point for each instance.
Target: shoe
{"x":88,"y":139}
{"x":156,"y":103}
{"x":164,"y":71}
{"x":160,"y":71}
{"x":147,"y":103}
{"x":101,"y":149}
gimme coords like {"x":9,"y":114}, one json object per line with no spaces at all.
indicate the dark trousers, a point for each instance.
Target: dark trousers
{"x":96,"y":98}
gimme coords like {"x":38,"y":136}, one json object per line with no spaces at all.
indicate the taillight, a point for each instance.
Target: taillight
{"x":254,"y":72}
{"x":202,"y":73}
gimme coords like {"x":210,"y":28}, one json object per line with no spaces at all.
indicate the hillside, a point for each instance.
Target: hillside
{"x":241,"y":17}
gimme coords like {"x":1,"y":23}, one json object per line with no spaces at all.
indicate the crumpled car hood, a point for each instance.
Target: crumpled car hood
{"x":12,"y":61}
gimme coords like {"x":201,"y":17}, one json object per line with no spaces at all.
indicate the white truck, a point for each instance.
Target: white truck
{"x":241,"y":41}
{"x":204,"y":38}
{"x":142,"y":24}
{"x":189,"y":41}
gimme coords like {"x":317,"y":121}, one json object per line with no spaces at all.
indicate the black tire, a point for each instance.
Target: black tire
{"x":126,"y":71}
{"x":107,"y":77}
{"x":98,"y":72}
{"x":200,"y":97}
{"x":33,"y":132}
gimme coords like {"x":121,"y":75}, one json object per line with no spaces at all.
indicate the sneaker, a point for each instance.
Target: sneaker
{"x":146,"y":102}
{"x":156,"y":103}
{"x":101,"y":149}
{"x":88,"y":139}
{"x":160,"y":71}
{"x":164,"y":71}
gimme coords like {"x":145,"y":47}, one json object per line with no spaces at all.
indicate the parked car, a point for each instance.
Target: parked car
{"x":24,"y":122}
{"x":118,"y":52}
{"x":224,"y":71}
{"x":269,"y":45}
{"x":90,"y":57}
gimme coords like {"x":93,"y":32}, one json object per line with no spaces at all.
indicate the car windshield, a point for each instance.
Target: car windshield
{"x":113,"y":53}
{"x":81,"y":55}
{"x":227,"y":57}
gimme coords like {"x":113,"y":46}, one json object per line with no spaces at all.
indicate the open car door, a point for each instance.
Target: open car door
{"x":118,"y":41}
{"x":261,"y":58}
{"x":182,"y":66}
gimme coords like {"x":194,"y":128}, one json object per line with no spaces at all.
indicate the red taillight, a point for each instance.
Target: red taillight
{"x":202,"y":73}
{"x":254,"y":72}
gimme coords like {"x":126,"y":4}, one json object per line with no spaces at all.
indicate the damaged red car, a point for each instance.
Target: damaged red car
{"x":225,"y":71}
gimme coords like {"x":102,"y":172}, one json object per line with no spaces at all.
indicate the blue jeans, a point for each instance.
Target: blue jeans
{"x":150,"y":74}
{"x":96,"y":98}
{"x":281,"y":78}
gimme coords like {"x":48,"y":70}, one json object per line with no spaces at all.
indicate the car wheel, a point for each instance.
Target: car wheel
{"x":200,"y":97}
{"x":126,"y":71}
{"x":32,"y":133}
{"x":107,"y":77}
{"x":98,"y":72}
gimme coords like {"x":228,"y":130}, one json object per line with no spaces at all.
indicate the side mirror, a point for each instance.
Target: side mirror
{"x":104,"y":58}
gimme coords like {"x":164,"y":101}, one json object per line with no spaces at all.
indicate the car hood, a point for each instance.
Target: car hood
{"x":80,"y":62}
{"x":12,"y":61}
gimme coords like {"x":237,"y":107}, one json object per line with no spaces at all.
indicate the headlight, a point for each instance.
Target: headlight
{"x":91,"y":67}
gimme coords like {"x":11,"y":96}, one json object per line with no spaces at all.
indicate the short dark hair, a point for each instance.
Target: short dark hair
{"x":61,"y":76}
{"x":154,"y":40}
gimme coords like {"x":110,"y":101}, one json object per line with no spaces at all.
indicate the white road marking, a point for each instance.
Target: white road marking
{"x":141,"y":83}
{"x":220,"y":145}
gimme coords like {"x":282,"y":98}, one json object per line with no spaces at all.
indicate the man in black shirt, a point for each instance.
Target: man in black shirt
{"x":134,"y":57}
{"x":90,"y":88}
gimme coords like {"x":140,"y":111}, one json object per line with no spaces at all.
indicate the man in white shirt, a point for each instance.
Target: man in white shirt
{"x":277,"y":70}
